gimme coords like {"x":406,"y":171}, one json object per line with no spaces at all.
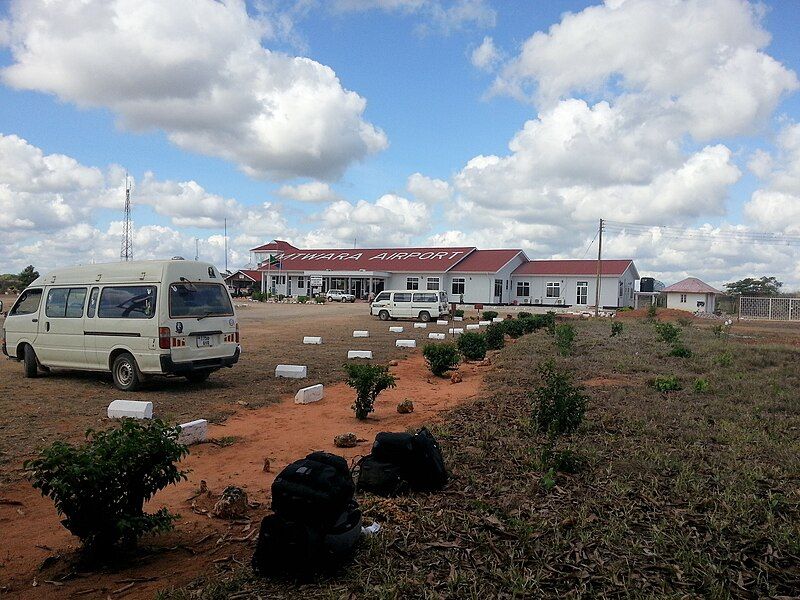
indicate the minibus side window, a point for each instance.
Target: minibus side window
{"x":127,"y":302}
{"x":90,"y":310}
{"x":28,"y":303}
{"x":402,"y":297}
{"x":65,"y":303}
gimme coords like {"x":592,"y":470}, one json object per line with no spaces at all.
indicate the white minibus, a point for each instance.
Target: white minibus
{"x":393,"y":304}
{"x":134,"y":319}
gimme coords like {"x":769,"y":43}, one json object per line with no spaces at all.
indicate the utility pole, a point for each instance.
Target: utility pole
{"x":126,"y":251}
{"x":196,"y":249}
{"x":599,"y":268}
{"x":226,"y":244}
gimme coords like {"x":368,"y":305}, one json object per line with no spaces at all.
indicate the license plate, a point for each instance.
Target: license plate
{"x":203,"y":341}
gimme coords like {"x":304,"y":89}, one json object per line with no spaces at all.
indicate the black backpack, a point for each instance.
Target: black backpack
{"x":291,"y":549}
{"x":315,"y":490}
{"x":417,"y":456}
{"x":380,"y":478}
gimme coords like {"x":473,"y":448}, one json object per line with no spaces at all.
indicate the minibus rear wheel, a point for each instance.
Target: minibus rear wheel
{"x":383,"y":315}
{"x":30,"y":362}
{"x":125,"y":373}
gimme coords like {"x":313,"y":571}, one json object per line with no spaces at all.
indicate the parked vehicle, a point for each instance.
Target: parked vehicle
{"x":135,"y":319}
{"x":339,"y":296}
{"x":394,"y":304}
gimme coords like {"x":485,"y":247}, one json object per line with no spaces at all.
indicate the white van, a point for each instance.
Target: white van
{"x":135,"y":319}
{"x":393,"y":304}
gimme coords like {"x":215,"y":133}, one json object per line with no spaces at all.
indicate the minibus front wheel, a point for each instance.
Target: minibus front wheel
{"x":30,"y":362}
{"x":125,"y":373}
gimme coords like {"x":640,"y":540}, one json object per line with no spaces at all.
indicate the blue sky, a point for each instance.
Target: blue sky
{"x":606,"y":122}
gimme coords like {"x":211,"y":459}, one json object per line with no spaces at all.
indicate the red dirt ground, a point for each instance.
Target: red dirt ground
{"x":281,"y":432}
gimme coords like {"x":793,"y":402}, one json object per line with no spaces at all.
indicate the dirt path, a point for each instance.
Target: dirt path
{"x":281,"y":432}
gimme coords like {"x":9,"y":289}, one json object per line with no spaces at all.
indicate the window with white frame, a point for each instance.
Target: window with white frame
{"x":458,"y":285}
{"x":553,"y":289}
{"x":301,"y":282}
{"x":523,"y":289}
{"x":433,"y":284}
{"x":412,"y":283}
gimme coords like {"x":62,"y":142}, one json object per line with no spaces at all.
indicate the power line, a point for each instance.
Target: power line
{"x":684,"y":233}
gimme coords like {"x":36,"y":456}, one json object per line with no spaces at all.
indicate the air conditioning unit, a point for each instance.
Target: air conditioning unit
{"x":526,"y":301}
{"x":560,"y":301}
{"x":537,"y":301}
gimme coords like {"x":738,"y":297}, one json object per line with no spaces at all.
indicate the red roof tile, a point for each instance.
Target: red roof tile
{"x":572,"y":267}
{"x":396,"y":260}
{"x":691,"y":285}
{"x":277,"y":245}
{"x":486,"y":261}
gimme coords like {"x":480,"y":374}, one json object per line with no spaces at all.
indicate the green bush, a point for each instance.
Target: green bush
{"x":652,"y":312}
{"x":458,"y":313}
{"x":302,"y":299}
{"x":667,"y":332}
{"x":725,"y":359}
{"x":680,"y":351}
{"x":494,"y":336}
{"x":528,"y":324}
{"x":524,"y":315}
{"x":549,"y":321}
{"x":441,"y":358}
{"x":258,"y":296}
{"x":701,"y":385}
{"x":513,"y":327}
{"x":281,"y":297}
{"x":666,"y":383}
{"x":101,"y":486}
{"x":565,"y":338}
{"x":368,"y":381}
{"x":559,"y":405}
{"x":319,"y":299}
{"x":472,"y":345}
{"x":488,"y":315}
{"x":616,"y":328}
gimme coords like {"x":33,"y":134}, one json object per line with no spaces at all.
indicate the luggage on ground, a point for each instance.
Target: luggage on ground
{"x":417,"y":457}
{"x":380,"y":478}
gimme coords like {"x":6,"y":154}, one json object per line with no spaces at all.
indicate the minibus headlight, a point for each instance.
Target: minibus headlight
{"x":163,"y":338}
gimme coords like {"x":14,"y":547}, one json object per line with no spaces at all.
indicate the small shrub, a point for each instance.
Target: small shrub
{"x":680,"y":351}
{"x":559,"y":405}
{"x":652,"y":312}
{"x":528,"y":324}
{"x":258,"y":296}
{"x":666,"y":383}
{"x":548,"y":480}
{"x":667,"y":332}
{"x":701,"y":385}
{"x":368,"y":381}
{"x":281,"y":297}
{"x":459,"y":312}
{"x":494,"y":336}
{"x":725,"y":359}
{"x":302,"y":299}
{"x":319,"y":299}
{"x":524,"y":315}
{"x":616,"y":328}
{"x":472,"y":345}
{"x":565,"y":338}
{"x":564,"y":461}
{"x":441,"y":358}
{"x":549,"y":321}
{"x":513,"y":327}
{"x":488,"y":315}
{"x":101,"y":486}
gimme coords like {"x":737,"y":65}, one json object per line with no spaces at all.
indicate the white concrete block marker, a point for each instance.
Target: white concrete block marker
{"x":359,"y":333}
{"x":312,"y":340}
{"x":435,"y":336}
{"x":458,"y":318}
{"x":135,"y":409}
{"x":307,"y":395}
{"x":193,"y":432}
{"x":396,"y":329}
{"x":291,"y":371}
{"x":473,"y":326}
{"x":359,"y":354}
{"x":484,"y":323}
{"x":497,"y":320}
{"x":406,"y":343}
{"x":420,"y":325}
{"x":441,"y":322}
{"x":456,"y":331}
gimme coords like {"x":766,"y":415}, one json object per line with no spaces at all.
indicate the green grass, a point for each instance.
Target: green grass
{"x":682,"y":495}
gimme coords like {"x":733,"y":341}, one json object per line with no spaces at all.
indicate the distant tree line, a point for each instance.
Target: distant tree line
{"x":750,"y":286}
{"x":15,"y":283}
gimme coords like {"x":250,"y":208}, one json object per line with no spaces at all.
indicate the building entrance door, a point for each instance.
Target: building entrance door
{"x":498,"y":291}
{"x":582,"y":293}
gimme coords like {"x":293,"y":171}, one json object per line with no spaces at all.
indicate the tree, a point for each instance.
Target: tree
{"x":27,"y":276}
{"x":750,"y":286}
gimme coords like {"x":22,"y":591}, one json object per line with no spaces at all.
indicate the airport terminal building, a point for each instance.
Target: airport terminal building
{"x":466,"y":274}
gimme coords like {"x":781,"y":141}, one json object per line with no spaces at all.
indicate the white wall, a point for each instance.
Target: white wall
{"x":609,"y":290}
{"x":674,"y":301}
{"x":397,"y":281}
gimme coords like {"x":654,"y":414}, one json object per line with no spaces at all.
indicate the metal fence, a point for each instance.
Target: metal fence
{"x":769,"y":308}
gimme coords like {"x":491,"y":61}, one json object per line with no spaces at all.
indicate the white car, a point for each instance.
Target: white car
{"x":339,"y":296}
{"x":394,"y":304}
{"x":135,"y":319}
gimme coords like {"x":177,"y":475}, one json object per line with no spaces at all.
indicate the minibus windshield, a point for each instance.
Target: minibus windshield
{"x":200,"y":300}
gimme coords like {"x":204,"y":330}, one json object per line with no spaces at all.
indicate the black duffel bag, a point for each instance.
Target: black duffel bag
{"x":288,"y":548}
{"x":418,"y":457}
{"x":315,"y":490}
{"x":380,"y":478}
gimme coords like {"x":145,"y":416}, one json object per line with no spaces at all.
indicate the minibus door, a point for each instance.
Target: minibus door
{"x":60,"y":342}
{"x":23,"y":319}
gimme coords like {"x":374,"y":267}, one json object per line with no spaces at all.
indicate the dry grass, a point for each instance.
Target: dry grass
{"x":683,"y":495}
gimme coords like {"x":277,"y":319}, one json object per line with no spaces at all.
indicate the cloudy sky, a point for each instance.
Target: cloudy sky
{"x":511,"y":123}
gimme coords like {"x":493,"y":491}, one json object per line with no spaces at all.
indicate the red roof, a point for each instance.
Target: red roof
{"x":691,"y":285}
{"x":572,"y":267}
{"x":486,"y":261}
{"x":276,"y":245}
{"x":396,"y":260}
{"x":251,"y":273}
